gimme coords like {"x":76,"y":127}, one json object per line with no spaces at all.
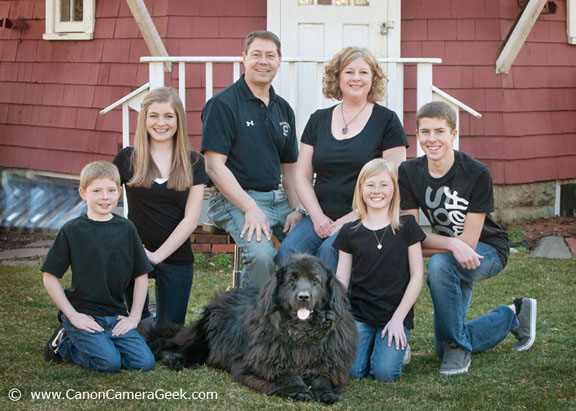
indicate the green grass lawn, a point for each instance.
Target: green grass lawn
{"x":543,"y":378}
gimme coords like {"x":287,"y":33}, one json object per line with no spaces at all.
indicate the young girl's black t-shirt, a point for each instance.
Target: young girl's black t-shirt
{"x":379,"y":276}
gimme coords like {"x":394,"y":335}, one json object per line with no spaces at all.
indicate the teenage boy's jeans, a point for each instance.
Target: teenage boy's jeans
{"x":451,"y":288}
{"x":303,"y":239}
{"x":374,"y":356}
{"x":101,"y":351}
{"x":258,"y":256}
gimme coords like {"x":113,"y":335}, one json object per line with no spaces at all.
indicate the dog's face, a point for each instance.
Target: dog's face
{"x":302,"y":285}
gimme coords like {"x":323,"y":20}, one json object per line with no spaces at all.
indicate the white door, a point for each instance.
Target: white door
{"x":319,"y":29}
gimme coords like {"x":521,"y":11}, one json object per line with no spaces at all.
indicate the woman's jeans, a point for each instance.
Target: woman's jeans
{"x":451,"y":288}
{"x":172,"y":288}
{"x":101,"y":351}
{"x":303,"y":239}
{"x":374,"y":356}
{"x":257,"y":256}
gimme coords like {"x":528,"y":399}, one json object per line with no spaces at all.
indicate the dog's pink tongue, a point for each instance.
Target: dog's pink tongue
{"x":303,"y":313}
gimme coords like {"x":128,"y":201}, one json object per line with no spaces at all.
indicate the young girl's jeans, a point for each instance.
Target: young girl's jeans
{"x":101,"y":351}
{"x":374,"y":356}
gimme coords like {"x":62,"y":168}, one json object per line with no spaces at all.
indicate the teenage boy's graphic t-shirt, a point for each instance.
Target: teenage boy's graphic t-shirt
{"x":445,"y":201}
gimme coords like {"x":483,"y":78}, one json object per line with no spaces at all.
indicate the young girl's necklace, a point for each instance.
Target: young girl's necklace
{"x":345,"y":128}
{"x":379,"y":246}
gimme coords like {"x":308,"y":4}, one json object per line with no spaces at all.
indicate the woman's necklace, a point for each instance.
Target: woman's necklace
{"x":379,"y":246}
{"x":345,"y":128}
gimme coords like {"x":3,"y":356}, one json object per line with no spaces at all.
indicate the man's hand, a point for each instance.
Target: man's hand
{"x":256,"y":222}
{"x":292,"y":220}
{"x":464,"y":254}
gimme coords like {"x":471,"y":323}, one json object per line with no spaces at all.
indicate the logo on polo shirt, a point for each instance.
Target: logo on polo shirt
{"x":285,"y":128}
{"x":249,"y":123}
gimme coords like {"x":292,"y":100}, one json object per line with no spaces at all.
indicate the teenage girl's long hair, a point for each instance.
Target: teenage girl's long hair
{"x":371,"y":168}
{"x":145,"y":169}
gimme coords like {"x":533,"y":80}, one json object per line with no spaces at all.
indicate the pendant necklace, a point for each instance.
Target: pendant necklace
{"x":379,"y":246}
{"x":345,"y":128}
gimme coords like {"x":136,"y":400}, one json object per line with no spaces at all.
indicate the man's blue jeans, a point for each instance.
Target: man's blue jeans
{"x":101,"y":351}
{"x":451,"y":288}
{"x":303,"y":239}
{"x":258,"y":256}
{"x":374,"y":356}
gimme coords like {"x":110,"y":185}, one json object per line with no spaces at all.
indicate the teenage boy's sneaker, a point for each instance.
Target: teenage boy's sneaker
{"x":526,"y":331}
{"x":456,"y":360}
{"x":407,"y":355}
{"x":51,"y":349}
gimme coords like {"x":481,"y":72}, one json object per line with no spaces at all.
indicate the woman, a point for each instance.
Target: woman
{"x":165,"y":182}
{"x":336,"y":143}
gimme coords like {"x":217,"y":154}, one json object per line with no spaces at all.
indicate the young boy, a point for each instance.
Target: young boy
{"x":105,"y":253}
{"x":455,"y":193}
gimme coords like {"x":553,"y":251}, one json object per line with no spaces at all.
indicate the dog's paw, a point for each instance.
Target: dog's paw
{"x":327,"y":397}
{"x":299,"y":393}
{"x":175,"y":361}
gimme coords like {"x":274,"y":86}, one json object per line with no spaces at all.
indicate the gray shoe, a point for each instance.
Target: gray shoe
{"x":407,"y":355}
{"x":456,"y":360}
{"x":526,"y":331}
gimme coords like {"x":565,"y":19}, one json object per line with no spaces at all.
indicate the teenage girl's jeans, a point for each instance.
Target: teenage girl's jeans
{"x":173,"y":284}
{"x":451,"y":288}
{"x":258,"y":256}
{"x":101,"y":351}
{"x":374,"y":356}
{"x":303,"y":239}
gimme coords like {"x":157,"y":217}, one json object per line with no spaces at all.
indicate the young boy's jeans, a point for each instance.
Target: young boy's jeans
{"x":258,"y":256}
{"x":303,"y":239}
{"x":374,"y":356}
{"x":451,"y":288}
{"x":101,"y":351}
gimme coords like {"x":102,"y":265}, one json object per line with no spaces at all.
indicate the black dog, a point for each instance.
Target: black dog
{"x":296,"y":338}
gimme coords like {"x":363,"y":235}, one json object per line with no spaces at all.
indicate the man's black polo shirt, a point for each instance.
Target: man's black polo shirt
{"x":256,"y":138}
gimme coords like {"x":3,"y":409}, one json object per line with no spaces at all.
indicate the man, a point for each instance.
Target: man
{"x":249,"y":143}
{"x":455,"y":193}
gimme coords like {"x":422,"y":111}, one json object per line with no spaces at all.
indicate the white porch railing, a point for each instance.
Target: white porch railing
{"x":425,"y":90}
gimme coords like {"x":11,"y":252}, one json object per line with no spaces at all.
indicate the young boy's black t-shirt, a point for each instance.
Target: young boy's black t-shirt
{"x":104,"y":257}
{"x":445,"y":201}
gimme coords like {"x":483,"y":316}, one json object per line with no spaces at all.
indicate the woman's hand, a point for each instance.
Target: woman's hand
{"x":323,"y":226}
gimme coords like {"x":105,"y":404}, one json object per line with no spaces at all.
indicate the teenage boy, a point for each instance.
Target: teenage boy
{"x":105,"y":253}
{"x":455,"y":193}
{"x":249,"y":143}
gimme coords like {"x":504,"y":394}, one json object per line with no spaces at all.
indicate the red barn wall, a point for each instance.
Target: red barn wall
{"x":51,"y":92}
{"x":527,"y":132}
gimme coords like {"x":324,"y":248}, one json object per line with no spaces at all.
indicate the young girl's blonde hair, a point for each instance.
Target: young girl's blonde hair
{"x":145,"y":170}
{"x":371,"y":168}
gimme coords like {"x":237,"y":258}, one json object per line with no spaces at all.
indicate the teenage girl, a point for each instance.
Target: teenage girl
{"x":165,"y":183}
{"x":380,"y":258}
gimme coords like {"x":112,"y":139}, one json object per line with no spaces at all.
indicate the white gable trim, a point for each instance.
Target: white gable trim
{"x":519,"y":34}
{"x":571,"y":21}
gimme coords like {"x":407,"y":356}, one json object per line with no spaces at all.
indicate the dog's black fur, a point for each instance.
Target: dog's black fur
{"x":260,"y":339}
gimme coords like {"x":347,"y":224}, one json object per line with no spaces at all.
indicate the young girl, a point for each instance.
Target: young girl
{"x":380,"y":257}
{"x":165,"y":182}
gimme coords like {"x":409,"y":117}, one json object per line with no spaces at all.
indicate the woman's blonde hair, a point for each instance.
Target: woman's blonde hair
{"x":371,"y":168}
{"x":331,"y":78}
{"x":145,"y":170}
